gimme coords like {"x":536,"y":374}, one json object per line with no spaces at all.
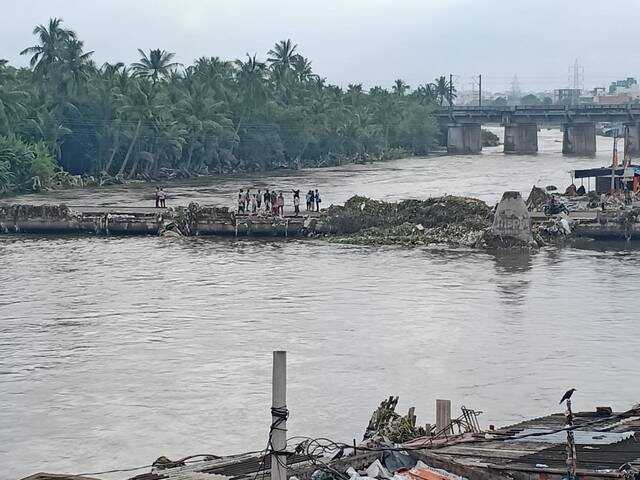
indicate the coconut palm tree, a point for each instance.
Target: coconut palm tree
{"x":282,"y":54}
{"x":141,"y":105}
{"x":49,"y":129}
{"x":13,"y":101}
{"x":51,"y":42}
{"x":400,"y":87}
{"x":157,"y":65}
{"x":427,"y":93}
{"x":445,"y":90}
{"x":215,"y":73}
{"x":251,"y":82}
{"x":302,"y":70}
{"x":192,"y":119}
{"x":76,"y":62}
{"x":203,"y":118}
{"x":281,"y":59}
{"x":12,"y":106}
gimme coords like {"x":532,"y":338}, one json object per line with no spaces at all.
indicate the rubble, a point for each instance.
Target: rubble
{"x":537,"y":198}
{"x":445,"y":220}
{"x":387,"y":425}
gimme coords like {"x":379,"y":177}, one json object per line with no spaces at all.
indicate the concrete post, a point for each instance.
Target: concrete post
{"x":521,"y":138}
{"x":579,"y":138}
{"x":631,"y":140}
{"x":443,"y":415}
{"x":512,"y":219}
{"x":278,"y":416}
{"x":464,"y":138}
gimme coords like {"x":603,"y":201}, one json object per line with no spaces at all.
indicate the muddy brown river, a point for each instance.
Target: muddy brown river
{"x":114,"y":351}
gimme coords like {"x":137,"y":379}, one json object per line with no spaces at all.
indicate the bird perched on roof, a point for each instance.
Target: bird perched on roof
{"x":567,"y":395}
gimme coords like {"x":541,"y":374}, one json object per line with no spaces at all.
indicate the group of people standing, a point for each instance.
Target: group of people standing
{"x":273,"y":203}
{"x":313,"y":201}
{"x":161,"y":198}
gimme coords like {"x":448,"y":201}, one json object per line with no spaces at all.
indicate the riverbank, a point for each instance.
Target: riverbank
{"x":64,"y":183}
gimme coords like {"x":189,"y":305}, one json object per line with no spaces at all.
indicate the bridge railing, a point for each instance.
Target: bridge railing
{"x":540,"y":108}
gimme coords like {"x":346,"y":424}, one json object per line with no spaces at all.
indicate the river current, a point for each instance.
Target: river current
{"x":114,"y":351}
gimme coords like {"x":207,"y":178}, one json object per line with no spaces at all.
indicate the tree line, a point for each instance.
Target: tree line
{"x":157,"y":117}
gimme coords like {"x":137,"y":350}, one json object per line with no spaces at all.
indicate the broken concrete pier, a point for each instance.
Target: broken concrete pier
{"x":193,"y":220}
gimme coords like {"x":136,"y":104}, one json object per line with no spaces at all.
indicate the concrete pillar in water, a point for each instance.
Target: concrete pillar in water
{"x":464,"y":138}
{"x":579,"y":138}
{"x":512,"y":219}
{"x":521,"y":138}
{"x":632,"y":140}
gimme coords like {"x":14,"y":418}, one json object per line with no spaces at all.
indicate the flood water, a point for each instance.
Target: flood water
{"x":114,"y":351}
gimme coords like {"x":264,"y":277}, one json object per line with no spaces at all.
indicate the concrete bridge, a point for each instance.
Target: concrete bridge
{"x":521,"y":126}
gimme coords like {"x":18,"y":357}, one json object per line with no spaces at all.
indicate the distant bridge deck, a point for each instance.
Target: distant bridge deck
{"x":540,"y":115}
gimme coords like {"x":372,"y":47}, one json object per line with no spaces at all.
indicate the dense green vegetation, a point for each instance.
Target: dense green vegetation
{"x":156,"y":118}
{"x":24,"y":166}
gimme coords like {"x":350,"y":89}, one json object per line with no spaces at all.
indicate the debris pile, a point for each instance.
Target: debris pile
{"x":390,"y":426}
{"x":489,"y":139}
{"x":538,"y":198}
{"x":552,"y":231}
{"x":186,"y":219}
{"x":449,"y":219}
{"x":393,"y":448}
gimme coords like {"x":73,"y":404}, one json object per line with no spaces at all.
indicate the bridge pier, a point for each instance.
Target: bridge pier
{"x":521,"y":138}
{"x":464,"y":138}
{"x":579,"y":138}
{"x":631,"y":139}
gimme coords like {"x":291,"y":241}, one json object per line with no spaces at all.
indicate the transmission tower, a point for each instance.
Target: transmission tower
{"x":515,"y":93}
{"x":576,"y":76}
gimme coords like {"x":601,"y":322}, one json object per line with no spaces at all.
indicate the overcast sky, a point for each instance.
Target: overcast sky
{"x":361,"y":41}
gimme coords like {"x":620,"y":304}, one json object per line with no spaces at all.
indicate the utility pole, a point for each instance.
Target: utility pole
{"x":614,"y":160}
{"x":480,"y":90}
{"x":571,"y":446}
{"x":279,"y":414}
{"x":451,"y":90}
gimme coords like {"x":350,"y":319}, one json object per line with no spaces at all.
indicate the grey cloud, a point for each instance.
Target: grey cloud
{"x":367,"y":41}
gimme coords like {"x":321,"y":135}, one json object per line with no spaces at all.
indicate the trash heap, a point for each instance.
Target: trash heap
{"x":389,"y":426}
{"x":415,"y":470}
{"x":553,"y":231}
{"x":441,"y":220}
{"x":392,"y":449}
{"x":538,"y":198}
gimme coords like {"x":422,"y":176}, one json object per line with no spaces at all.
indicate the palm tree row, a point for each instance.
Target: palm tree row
{"x":214,"y":116}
